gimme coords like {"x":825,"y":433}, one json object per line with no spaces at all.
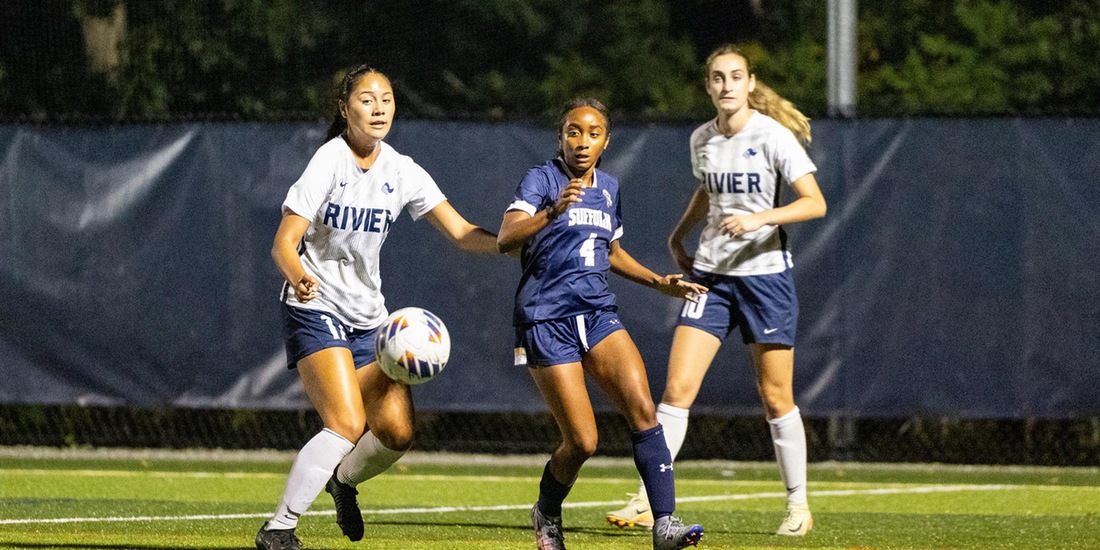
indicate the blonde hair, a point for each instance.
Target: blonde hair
{"x":766,"y":100}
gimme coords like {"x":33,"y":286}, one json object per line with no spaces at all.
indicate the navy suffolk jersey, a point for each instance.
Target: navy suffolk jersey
{"x":565,"y":265}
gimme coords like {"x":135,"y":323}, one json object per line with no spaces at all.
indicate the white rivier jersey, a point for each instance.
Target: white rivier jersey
{"x":741,"y":175}
{"x":350,"y":212}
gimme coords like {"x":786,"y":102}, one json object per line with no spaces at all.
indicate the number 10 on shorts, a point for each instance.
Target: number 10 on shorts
{"x":694,"y":310}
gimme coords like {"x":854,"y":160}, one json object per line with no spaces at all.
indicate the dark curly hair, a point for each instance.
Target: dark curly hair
{"x":577,"y":103}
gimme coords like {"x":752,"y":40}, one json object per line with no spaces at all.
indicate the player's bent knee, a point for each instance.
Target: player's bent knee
{"x":400,"y":439}
{"x":642,"y":417}
{"x":776,"y":408}
{"x":348,"y":430}
{"x":581,"y":450}
{"x":678,"y":395}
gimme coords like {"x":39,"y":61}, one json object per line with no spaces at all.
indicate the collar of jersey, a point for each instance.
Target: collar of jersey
{"x":559,"y":163}
{"x":384,"y":152}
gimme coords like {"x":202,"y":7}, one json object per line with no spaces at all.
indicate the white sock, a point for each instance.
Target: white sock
{"x":675,"y":422}
{"x":311,"y":470}
{"x":368,"y":459}
{"x":789,"y":439}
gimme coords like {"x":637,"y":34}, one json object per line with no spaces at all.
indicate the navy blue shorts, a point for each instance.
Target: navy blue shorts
{"x":308,"y":331}
{"x":764,"y":307}
{"x":565,"y":340}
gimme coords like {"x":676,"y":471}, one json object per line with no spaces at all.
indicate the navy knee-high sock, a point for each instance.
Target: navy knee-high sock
{"x":551,"y":493}
{"x":654,"y":463}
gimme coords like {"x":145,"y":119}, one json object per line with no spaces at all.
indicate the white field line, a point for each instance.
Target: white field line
{"x":431,"y":477}
{"x":525,"y":506}
{"x":410,"y":477}
{"x":442,"y":458}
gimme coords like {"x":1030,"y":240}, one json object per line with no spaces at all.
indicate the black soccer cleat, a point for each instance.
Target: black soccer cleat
{"x":348,"y":516}
{"x":277,"y":539}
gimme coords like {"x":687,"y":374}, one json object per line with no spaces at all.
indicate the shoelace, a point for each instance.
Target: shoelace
{"x":671,"y":529}
{"x":789,"y":518}
{"x":286,"y":538}
{"x":552,"y":534}
{"x":346,"y":495}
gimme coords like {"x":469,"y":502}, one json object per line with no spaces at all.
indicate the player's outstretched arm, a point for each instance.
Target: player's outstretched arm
{"x":285,"y":253}
{"x":462,"y":233}
{"x":624,"y":265}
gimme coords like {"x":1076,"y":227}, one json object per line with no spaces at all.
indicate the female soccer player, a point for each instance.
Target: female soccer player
{"x":335,"y":218}
{"x":566,"y":216}
{"x":740,"y":160}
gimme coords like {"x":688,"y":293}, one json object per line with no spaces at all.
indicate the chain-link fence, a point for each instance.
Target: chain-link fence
{"x":948,"y":440}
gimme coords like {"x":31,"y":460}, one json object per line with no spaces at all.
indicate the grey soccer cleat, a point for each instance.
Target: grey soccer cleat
{"x":548,"y":531}
{"x":669,"y":533}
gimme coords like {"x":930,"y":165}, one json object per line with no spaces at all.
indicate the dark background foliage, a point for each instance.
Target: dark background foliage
{"x":506,"y":59}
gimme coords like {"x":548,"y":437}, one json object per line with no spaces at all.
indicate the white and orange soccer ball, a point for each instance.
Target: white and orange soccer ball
{"x":412,"y":345}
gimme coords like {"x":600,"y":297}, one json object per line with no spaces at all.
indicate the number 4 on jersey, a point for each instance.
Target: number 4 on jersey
{"x":588,"y":250}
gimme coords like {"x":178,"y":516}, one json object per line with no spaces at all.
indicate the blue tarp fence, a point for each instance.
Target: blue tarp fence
{"x":956,"y":273}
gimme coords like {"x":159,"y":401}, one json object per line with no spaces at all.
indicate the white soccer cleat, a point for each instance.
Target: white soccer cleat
{"x":635,"y":513}
{"x":798,"y":522}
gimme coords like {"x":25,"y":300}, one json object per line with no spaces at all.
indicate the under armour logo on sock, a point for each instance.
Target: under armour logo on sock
{"x":666,"y":468}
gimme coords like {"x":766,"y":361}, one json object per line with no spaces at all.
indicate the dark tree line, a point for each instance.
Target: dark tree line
{"x":277,"y":59}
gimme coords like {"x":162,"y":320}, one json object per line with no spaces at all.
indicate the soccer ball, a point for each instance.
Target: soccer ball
{"x":412,"y":345}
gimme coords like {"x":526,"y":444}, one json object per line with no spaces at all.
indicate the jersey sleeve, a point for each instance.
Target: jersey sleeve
{"x":421,"y":192}
{"x":693,"y":146}
{"x":617,"y":222}
{"x":307,"y":194}
{"x":533,"y":193}
{"x":791,"y":160}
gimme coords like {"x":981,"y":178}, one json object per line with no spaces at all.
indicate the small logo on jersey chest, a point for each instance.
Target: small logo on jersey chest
{"x":387,"y":187}
{"x":750,"y":152}
{"x":607,"y":197}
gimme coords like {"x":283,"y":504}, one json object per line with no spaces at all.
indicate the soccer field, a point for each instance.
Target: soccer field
{"x":155,"y":500}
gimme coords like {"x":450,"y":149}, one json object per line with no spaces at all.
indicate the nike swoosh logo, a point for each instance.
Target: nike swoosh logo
{"x":796,"y":529}
{"x":770,"y":330}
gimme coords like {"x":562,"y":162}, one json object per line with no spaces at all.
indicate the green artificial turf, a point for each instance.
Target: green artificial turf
{"x":458,"y":502}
